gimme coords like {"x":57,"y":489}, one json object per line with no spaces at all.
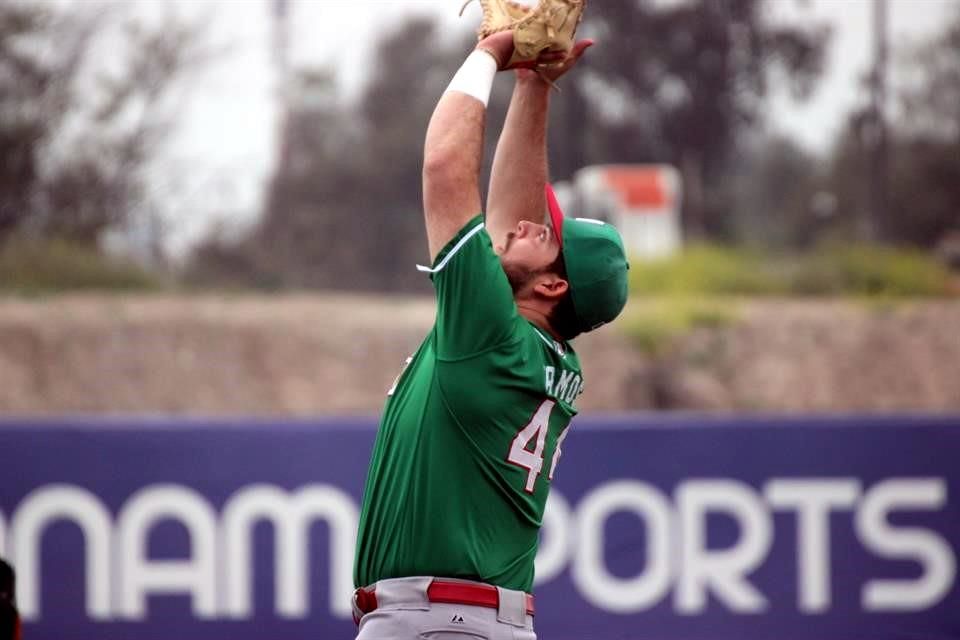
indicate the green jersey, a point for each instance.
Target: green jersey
{"x":470,"y":435}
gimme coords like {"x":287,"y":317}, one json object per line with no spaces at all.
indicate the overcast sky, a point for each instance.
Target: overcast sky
{"x":223,"y":149}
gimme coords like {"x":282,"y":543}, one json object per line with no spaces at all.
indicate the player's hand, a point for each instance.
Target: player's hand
{"x":500,"y":46}
{"x":550,"y":67}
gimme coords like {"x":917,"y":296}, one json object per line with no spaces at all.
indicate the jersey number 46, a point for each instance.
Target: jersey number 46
{"x":526,"y":450}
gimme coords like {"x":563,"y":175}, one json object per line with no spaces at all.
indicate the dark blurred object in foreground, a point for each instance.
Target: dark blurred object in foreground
{"x":9,"y":618}
{"x":948,"y":250}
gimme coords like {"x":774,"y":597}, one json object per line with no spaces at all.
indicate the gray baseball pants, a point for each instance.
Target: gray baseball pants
{"x":404,"y":613}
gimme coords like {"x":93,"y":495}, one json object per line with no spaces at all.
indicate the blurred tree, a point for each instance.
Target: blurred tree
{"x":931,"y":97}
{"x":924,"y":199}
{"x":343,"y":208}
{"x":670,"y":82}
{"x":775,"y":189}
{"x":298,"y":241}
{"x":925,"y":176}
{"x":680,"y":81}
{"x":33,"y":99}
{"x":77,"y":129}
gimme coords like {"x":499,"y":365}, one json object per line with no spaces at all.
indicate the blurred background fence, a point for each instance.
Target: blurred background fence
{"x":682,"y":527}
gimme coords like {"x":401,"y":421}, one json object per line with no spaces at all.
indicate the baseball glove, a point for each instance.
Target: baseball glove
{"x":550,"y":26}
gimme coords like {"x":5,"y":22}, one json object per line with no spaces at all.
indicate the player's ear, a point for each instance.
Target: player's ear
{"x":551,"y":286}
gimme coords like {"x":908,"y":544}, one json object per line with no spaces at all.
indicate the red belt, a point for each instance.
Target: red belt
{"x":442,"y":591}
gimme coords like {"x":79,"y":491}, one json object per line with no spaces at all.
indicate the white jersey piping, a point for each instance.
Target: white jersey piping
{"x":453,"y":251}
{"x":553,"y":344}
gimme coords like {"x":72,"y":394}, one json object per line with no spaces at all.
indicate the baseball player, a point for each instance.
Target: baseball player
{"x":473,"y":428}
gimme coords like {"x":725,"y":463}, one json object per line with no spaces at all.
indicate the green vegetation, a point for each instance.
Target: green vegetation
{"x":55,"y":265}
{"x":862,"y":270}
{"x":653,"y":324}
{"x":871,"y":271}
{"x":699,"y":288}
{"x":703,"y":270}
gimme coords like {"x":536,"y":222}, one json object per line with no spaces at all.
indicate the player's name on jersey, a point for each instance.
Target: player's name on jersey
{"x":564,"y":387}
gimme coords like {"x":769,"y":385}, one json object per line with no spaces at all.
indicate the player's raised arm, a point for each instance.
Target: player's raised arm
{"x":454,"y":145}
{"x":520,"y":164}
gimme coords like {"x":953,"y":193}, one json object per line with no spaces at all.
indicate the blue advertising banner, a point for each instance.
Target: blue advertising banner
{"x":689,"y":528}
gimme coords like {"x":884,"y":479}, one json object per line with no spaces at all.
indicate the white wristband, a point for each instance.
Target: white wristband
{"x":475,"y":77}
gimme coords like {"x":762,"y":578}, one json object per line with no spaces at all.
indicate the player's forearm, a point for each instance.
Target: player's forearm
{"x":520,"y":164}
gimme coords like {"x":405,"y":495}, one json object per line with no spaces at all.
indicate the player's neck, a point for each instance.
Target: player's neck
{"x":538,"y":317}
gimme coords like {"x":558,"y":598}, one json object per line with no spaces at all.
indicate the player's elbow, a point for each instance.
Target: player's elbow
{"x":439,"y":164}
{"x":445,"y":169}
